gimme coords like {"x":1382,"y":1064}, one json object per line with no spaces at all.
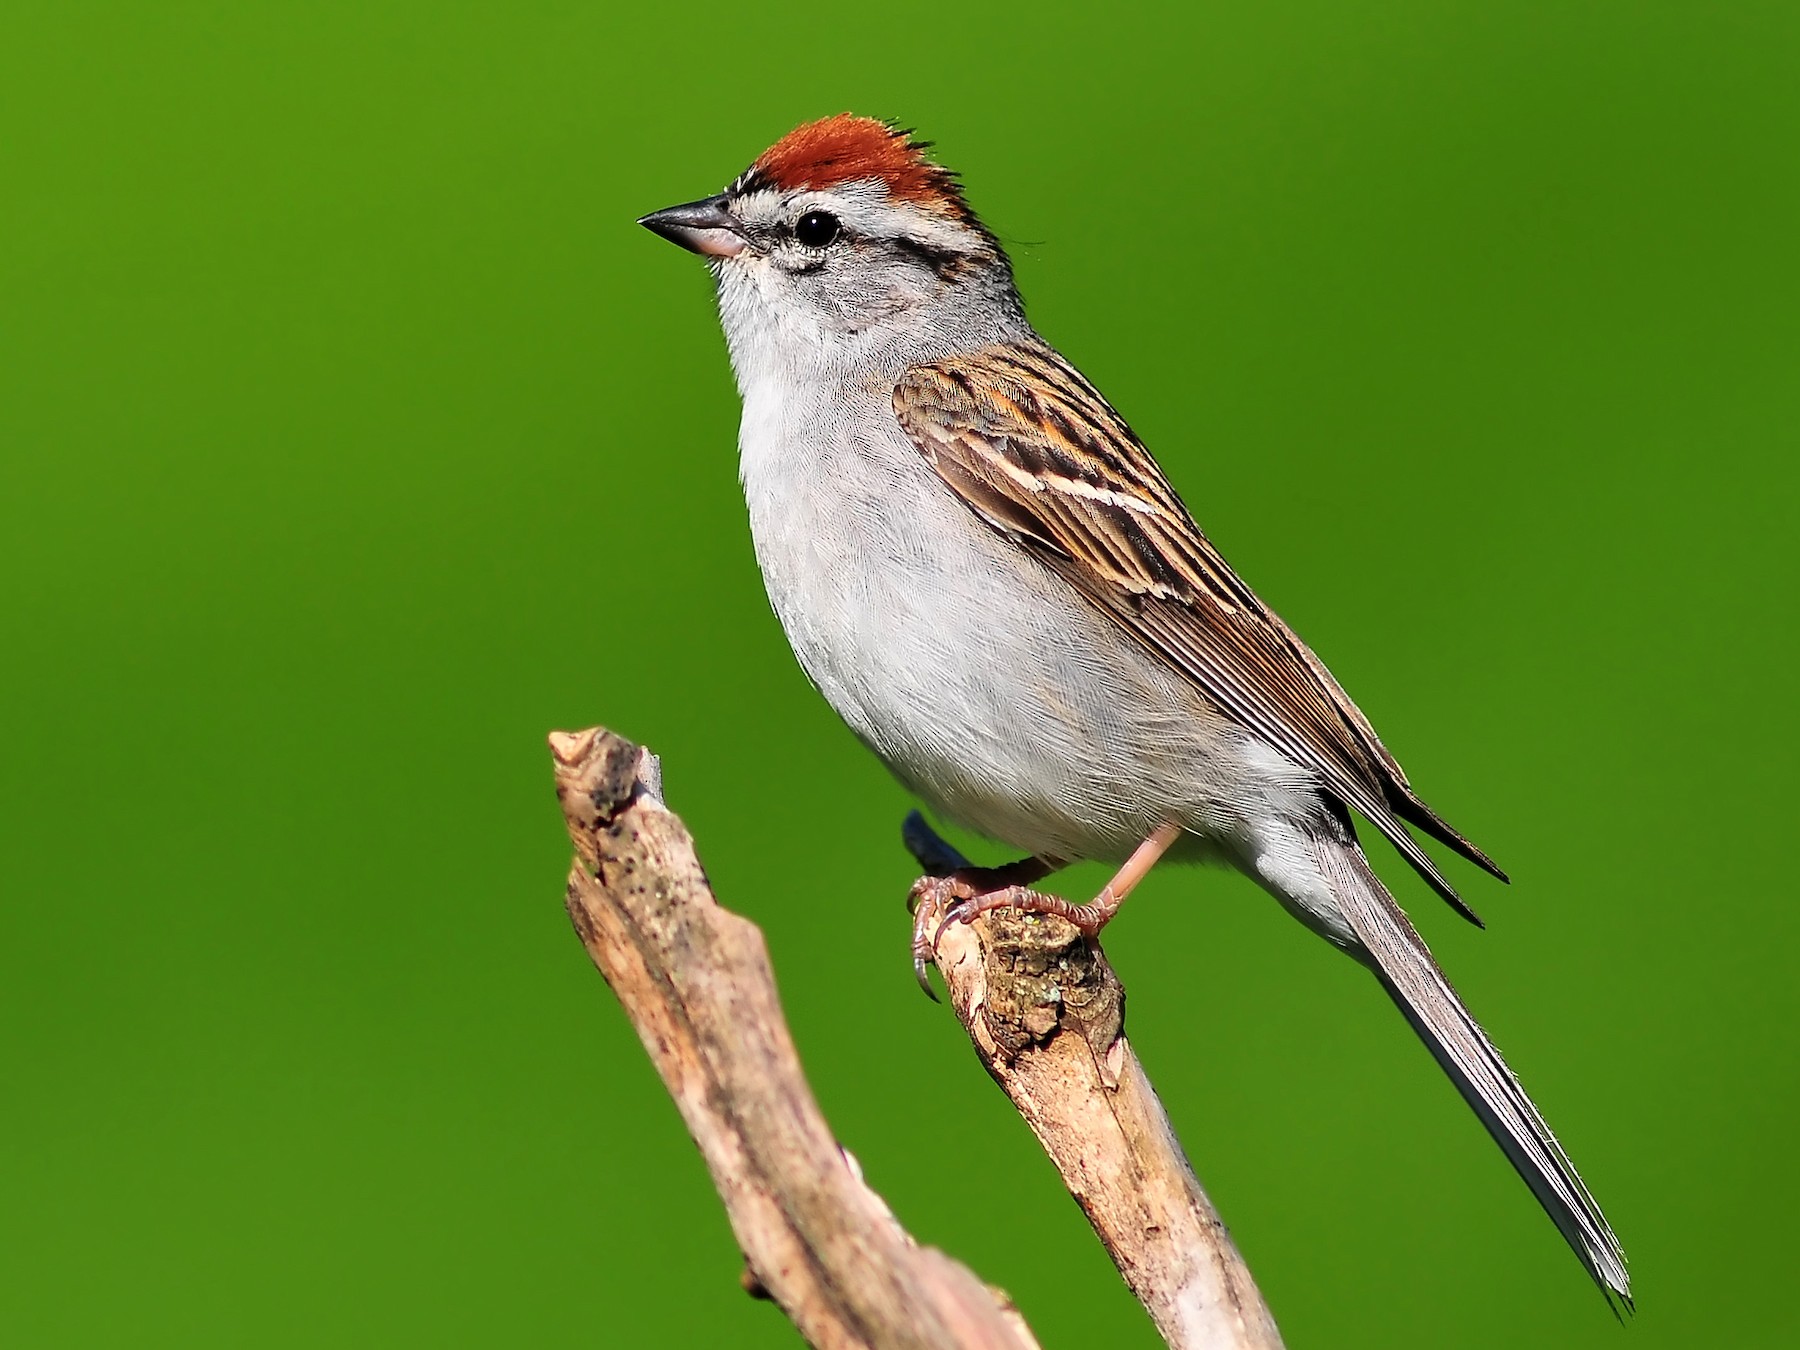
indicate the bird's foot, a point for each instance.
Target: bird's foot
{"x":930,"y":899}
{"x":938,"y":902}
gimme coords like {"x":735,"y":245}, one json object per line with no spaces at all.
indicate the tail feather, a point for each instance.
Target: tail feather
{"x":1412,"y":979}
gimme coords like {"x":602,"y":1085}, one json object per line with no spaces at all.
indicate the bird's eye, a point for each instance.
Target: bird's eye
{"x":816,"y":229}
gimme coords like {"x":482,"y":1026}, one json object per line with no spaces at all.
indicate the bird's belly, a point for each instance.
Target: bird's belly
{"x":984,"y":682}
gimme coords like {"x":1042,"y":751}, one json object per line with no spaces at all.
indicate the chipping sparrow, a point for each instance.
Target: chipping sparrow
{"x":989,"y":578}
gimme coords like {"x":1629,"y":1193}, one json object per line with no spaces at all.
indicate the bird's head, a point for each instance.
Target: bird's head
{"x":843,"y":235}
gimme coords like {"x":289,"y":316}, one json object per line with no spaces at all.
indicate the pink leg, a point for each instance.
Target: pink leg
{"x":1089,"y":918}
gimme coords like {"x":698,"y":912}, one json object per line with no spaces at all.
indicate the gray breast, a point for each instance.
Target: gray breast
{"x":984,"y":681}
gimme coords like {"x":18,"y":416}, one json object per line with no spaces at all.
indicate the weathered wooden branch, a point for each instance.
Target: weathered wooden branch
{"x":696,"y":983}
{"x":1044,"y":1012}
{"x":1046,"y":1015}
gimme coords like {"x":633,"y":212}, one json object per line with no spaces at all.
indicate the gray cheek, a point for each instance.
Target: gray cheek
{"x":877,"y":295}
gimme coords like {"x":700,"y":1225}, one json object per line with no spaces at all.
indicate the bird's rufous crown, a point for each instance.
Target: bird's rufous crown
{"x":846,"y":149}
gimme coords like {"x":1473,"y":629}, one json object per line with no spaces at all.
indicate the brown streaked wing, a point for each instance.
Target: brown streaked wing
{"x":1035,"y":451}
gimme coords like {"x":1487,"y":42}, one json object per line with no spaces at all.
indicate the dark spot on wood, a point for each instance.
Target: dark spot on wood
{"x":1042,"y":976}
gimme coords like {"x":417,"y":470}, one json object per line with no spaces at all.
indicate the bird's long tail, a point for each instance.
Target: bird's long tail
{"x":1407,"y":971}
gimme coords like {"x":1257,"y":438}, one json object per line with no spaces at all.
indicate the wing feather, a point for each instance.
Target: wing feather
{"x":1034,"y":450}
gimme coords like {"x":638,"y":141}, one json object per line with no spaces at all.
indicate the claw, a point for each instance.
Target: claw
{"x":926,"y":902}
{"x":960,"y":912}
{"x":923,"y":975}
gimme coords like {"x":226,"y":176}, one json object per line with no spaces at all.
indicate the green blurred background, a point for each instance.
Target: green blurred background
{"x":352,"y":436}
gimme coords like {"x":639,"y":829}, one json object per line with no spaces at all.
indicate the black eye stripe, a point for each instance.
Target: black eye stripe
{"x":947,"y":263}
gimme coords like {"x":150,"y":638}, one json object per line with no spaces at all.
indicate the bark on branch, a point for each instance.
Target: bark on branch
{"x":1046,"y":1015}
{"x":696,"y":983}
{"x":1044,"y":1012}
